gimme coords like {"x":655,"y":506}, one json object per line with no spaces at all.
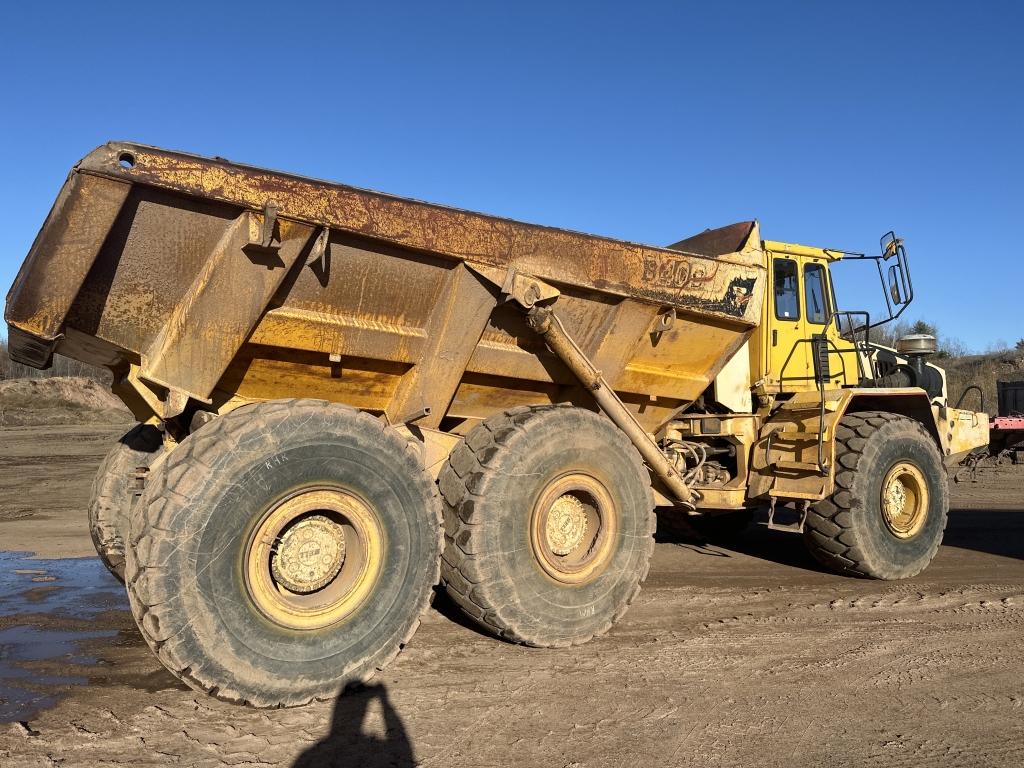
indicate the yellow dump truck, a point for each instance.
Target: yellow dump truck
{"x":345,"y":397}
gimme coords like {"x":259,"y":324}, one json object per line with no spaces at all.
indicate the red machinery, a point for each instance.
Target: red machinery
{"x":1006,"y":438}
{"x":1006,"y":431}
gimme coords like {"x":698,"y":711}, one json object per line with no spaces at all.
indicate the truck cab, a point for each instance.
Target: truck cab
{"x":801,"y":321}
{"x":800,"y":306}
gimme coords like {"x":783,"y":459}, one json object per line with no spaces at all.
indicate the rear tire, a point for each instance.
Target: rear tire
{"x":114,"y":493}
{"x":284,"y":552}
{"x":886,"y":517}
{"x":549,"y":525}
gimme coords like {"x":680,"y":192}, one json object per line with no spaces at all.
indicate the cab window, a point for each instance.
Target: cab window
{"x":814,"y":290}
{"x":787,"y":295}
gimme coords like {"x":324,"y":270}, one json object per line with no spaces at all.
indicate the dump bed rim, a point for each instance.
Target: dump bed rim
{"x":97,"y":162}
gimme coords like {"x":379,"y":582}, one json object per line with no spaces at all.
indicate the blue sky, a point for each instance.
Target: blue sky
{"x":829,"y":122}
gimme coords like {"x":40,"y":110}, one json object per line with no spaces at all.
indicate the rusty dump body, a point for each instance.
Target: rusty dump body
{"x":204,"y":284}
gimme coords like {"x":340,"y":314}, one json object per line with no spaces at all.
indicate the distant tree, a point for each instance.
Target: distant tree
{"x":952,"y":347}
{"x":923,"y":327}
{"x":948,"y":346}
{"x":1020,"y":345}
{"x":888,"y":334}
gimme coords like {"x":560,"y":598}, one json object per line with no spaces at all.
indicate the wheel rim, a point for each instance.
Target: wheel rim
{"x":314,"y":558}
{"x":572,"y":528}
{"x":904,"y":500}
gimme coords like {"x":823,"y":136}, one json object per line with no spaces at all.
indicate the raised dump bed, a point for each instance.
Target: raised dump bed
{"x":221,"y":281}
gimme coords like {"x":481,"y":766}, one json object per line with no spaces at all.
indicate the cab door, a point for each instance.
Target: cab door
{"x":820,"y":320}
{"x":788,"y":353}
{"x":816,"y":312}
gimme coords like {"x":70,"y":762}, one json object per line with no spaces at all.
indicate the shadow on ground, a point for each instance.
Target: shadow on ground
{"x":781,"y":547}
{"x":756,"y":540}
{"x":990,"y":531}
{"x":993,"y":531}
{"x":366,"y":731}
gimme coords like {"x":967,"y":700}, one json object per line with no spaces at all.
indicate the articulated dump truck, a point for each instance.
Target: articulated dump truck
{"x":345,"y":398}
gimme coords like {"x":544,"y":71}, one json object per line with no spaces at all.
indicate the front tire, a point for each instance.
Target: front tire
{"x":886,"y":517}
{"x":284,"y":552}
{"x":549,"y":525}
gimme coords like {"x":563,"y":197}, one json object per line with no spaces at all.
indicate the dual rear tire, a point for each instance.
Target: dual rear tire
{"x":549,"y":525}
{"x":287,"y":550}
{"x":115,"y":492}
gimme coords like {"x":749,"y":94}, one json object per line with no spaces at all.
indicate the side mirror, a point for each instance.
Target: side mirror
{"x":894,"y":285}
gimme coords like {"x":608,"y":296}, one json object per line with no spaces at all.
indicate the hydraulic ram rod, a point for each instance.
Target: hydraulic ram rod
{"x":546,"y":323}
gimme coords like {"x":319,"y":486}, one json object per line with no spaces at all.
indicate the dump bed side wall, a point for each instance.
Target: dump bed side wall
{"x":175,"y":285}
{"x":659,"y":275}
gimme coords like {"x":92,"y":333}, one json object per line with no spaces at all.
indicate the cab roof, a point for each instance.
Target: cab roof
{"x":794,"y":249}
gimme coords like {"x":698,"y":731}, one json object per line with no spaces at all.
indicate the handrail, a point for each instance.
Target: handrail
{"x":841,"y":374}
{"x":981,"y":397}
{"x":853,"y":331}
{"x":823,"y":468}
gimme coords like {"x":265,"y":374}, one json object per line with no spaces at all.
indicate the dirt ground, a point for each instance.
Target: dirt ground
{"x":731,"y":656}
{"x":58,"y":400}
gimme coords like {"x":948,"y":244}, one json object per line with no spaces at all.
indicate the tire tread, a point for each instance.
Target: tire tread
{"x":830,"y":528}
{"x":461,"y":565}
{"x":152,"y":541}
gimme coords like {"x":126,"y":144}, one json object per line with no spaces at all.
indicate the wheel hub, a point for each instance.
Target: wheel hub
{"x":895,"y":499}
{"x":566,"y":524}
{"x":573,"y":528}
{"x":314,"y":557}
{"x":904,"y":500}
{"x":309,"y":555}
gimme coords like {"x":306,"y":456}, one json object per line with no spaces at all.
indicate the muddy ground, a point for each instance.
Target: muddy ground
{"x":748,"y":655}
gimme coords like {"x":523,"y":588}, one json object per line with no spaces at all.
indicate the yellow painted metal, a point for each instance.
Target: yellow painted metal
{"x":200,"y":337}
{"x":225,"y":284}
{"x":904,"y":500}
{"x":309,"y":554}
{"x":81,"y":218}
{"x":955,"y":432}
{"x":567,"y":524}
{"x":780,"y":350}
{"x":788,"y":436}
{"x":961,"y":431}
{"x":808,"y":251}
{"x":200,"y":282}
{"x":660,"y":274}
{"x":787,"y":361}
{"x":312,"y":581}
{"x":721,"y":498}
{"x":738,"y":430}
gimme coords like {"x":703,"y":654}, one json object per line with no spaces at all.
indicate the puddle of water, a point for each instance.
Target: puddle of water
{"x":25,"y":691}
{"x":73,"y":588}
